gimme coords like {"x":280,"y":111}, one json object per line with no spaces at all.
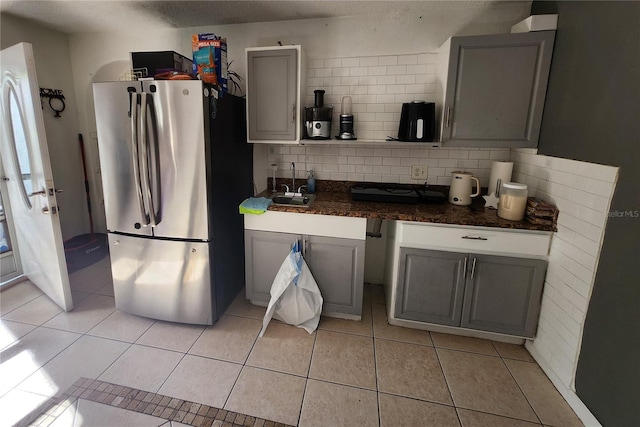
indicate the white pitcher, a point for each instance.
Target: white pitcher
{"x":461,"y":186}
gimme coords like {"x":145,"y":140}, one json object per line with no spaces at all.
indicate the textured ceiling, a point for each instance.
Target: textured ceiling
{"x":81,"y":16}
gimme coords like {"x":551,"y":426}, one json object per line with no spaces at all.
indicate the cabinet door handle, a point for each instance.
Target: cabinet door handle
{"x":447,"y":120}
{"x":464,"y":269}
{"x":293,"y":113}
{"x":474,"y":238}
{"x":473,"y":268}
{"x":304,"y":247}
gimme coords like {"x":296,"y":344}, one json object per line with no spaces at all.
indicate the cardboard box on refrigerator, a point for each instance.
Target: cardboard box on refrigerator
{"x":210,"y":59}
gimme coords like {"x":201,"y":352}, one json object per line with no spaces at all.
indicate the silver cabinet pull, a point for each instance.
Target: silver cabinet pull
{"x":447,"y":120}
{"x":40,"y":193}
{"x":473,"y":268}
{"x":474,"y":238}
{"x":293,"y":113}
{"x":304,"y":247}
{"x":464,"y":269}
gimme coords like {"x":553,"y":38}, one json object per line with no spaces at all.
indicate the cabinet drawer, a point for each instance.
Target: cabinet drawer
{"x":308,"y":224}
{"x":474,"y":239}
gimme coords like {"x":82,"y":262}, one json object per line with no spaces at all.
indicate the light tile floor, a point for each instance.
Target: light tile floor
{"x":347,"y":373}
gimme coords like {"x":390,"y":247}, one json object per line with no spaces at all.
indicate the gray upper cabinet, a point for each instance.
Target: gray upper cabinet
{"x":503,"y":295}
{"x":491,"y":89}
{"x":431,"y":286}
{"x":273,"y":94}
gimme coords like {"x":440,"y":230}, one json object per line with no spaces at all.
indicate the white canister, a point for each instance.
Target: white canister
{"x":513,"y":201}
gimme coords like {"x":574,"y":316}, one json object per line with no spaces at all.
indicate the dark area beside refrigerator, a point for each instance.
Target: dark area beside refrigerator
{"x":231,"y":169}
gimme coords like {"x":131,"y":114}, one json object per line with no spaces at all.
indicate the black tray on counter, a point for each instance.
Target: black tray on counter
{"x":394,"y":193}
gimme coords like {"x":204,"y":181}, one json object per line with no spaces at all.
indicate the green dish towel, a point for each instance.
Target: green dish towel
{"x":255,"y":205}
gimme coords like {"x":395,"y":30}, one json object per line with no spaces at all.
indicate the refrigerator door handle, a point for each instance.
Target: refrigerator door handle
{"x":143,"y":156}
{"x":154,"y":171}
{"x":135,"y":148}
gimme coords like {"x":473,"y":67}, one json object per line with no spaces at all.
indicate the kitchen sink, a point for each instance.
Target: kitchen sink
{"x":302,"y":201}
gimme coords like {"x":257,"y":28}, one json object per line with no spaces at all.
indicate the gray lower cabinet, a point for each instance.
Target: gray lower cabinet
{"x":431,"y":286}
{"x":264,"y":254}
{"x":337,"y":266}
{"x":503,"y":294}
{"x":484,"y":292}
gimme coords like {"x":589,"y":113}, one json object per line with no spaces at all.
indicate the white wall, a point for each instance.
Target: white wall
{"x":53,"y":66}
{"x":582,"y":192}
{"x":105,"y":56}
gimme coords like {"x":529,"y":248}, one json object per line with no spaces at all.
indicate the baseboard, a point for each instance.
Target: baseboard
{"x":569,"y":395}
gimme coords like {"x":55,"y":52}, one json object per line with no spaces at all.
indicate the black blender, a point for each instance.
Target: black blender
{"x":346,"y":120}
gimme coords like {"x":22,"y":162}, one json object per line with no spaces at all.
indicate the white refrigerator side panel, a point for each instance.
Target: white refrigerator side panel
{"x":162,"y":279}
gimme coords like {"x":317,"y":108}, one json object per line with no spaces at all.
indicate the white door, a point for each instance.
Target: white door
{"x":27,"y":173}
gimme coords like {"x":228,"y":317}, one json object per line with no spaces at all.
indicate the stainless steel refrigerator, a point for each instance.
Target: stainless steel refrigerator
{"x":175,"y":165}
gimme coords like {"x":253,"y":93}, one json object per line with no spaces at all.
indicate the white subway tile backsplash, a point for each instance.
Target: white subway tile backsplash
{"x":365,"y":80}
{"x":477,"y":154}
{"x":350,"y":62}
{"x":380,"y":70}
{"x":373,"y":161}
{"x":388,"y":60}
{"x":407,"y":59}
{"x":383,"y":99}
{"x":323,"y":72}
{"x":600,"y":188}
{"x":407,"y":79}
{"x":582,"y":191}
{"x":418,"y":69}
{"x":397,"y":69}
{"x":369,"y":61}
{"x":333,"y":63}
{"x":359,"y":71}
{"x":315,"y":63}
{"x":377,"y":90}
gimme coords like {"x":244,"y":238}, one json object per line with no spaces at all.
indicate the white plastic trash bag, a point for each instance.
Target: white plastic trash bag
{"x":295,"y":296}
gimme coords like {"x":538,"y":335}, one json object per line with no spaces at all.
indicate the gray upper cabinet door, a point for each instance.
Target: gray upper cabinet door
{"x":272,"y":84}
{"x":338,"y":268}
{"x":430,"y":286}
{"x":495,"y":89}
{"x":264,"y":254}
{"x":503,"y":294}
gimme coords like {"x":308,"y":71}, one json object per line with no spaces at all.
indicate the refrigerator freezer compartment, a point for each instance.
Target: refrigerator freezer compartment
{"x":162,"y":279}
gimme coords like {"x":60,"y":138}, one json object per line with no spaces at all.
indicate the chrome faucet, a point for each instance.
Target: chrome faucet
{"x":293,"y":176}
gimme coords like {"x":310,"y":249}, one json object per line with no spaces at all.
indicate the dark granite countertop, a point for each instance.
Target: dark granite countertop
{"x":333,"y":198}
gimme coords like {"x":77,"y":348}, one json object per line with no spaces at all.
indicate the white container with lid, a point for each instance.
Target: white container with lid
{"x":513,"y":201}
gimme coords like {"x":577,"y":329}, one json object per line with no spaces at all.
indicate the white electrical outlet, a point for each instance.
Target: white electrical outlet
{"x":418,"y":172}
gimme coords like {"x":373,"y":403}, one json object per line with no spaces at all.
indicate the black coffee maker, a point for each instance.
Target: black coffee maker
{"x":417,"y":122}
